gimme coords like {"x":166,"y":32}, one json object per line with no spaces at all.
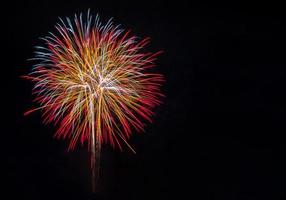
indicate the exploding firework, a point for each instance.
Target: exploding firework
{"x":95,"y":83}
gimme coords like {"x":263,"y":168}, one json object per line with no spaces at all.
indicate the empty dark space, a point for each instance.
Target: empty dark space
{"x":219,"y":133}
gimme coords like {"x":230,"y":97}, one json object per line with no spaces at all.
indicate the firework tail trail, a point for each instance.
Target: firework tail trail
{"x":94,"y":82}
{"x":95,"y":151}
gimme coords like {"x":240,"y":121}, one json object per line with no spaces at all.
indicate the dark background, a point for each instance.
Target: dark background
{"x":218,"y":135}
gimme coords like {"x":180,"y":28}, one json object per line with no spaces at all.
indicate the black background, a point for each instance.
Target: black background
{"x":218,"y":135}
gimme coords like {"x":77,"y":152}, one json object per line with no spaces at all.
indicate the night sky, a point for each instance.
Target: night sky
{"x":219,"y":135}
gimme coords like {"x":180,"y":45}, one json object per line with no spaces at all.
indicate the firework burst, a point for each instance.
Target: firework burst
{"x":95,"y":83}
